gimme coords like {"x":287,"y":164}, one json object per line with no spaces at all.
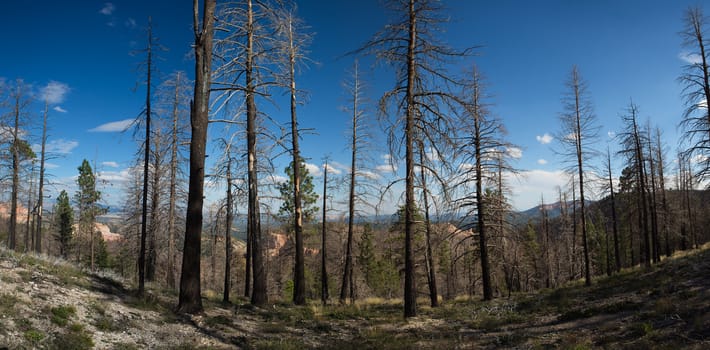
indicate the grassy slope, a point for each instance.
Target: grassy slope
{"x":45,"y":304}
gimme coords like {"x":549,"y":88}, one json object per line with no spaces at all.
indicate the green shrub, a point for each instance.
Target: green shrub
{"x":7,"y":303}
{"x":61,"y":314}
{"x":34,"y":336}
{"x":76,"y":339}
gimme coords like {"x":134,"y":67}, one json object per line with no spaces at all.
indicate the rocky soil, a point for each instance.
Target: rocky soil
{"x":47,"y":303}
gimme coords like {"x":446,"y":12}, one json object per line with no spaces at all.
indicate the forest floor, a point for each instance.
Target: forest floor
{"x":50,"y":304}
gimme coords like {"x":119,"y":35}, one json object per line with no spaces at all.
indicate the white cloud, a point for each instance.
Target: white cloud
{"x":611,"y":134}
{"x":313,"y":169}
{"x":388,"y":165}
{"x":332,"y":169}
{"x":115,"y":176}
{"x":317,"y":171}
{"x":465,"y":166}
{"x":118,"y":126}
{"x":54,"y":92}
{"x":690,"y":58}
{"x":541,"y":161}
{"x":544,"y":139}
{"x":528,"y":187}
{"x":699,"y":158}
{"x":276,"y":179}
{"x":130,"y":23}
{"x":386,"y":168}
{"x":433,"y":155}
{"x":514,"y":152}
{"x":51,"y":165}
{"x":107,"y":9}
{"x":368,"y":174}
{"x":110,"y":164}
{"x":59,"y":146}
{"x":59,"y":109}
{"x":571,"y":136}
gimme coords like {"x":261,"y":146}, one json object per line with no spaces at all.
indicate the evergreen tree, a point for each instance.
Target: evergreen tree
{"x":308,"y":196}
{"x":88,"y":198}
{"x":64,"y":215}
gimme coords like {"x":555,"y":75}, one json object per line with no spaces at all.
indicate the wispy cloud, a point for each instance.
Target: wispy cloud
{"x":465,"y":166}
{"x":117,"y":126}
{"x":59,"y":109}
{"x":391,"y":168}
{"x":110,"y":164}
{"x":51,"y":165}
{"x":541,"y":161}
{"x":313,"y":169}
{"x":544,"y":139}
{"x":514,"y":152}
{"x":130,"y":23}
{"x":367,"y":174}
{"x":115,"y":176}
{"x":699,"y":158}
{"x":388,"y":165}
{"x":54,"y":92}
{"x":332,"y":169}
{"x":59,"y":146}
{"x":317,"y":171}
{"x":690,"y":58}
{"x":107,"y":9}
{"x":334,"y":166}
{"x":276,"y":179}
{"x":529,"y":185}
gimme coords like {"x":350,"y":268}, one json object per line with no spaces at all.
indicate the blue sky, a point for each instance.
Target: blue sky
{"x":624,"y":49}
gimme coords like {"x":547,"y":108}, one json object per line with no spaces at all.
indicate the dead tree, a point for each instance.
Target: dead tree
{"x":420,"y":96}
{"x":146,"y":162}
{"x":614,"y":222}
{"x":245,"y":50}
{"x":291,"y":43}
{"x":633,"y":141}
{"x":482,"y":148}
{"x":696,"y":90}
{"x":323,"y":255}
{"x":20,"y":99}
{"x":578,"y":131}
{"x":190,"y":300}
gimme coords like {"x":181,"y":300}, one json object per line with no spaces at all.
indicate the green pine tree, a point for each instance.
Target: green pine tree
{"x":64,"y":221}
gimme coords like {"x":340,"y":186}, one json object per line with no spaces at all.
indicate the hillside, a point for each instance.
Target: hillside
{"x":46,"y":303}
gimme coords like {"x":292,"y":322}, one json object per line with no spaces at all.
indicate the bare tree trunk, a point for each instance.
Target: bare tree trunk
{"x":152,"y":255}
{"x":580,"y":174}
{"x":546,"y":231}
{"x":323,"y":255}
{"x":641,"y":187}
{"x":299,"y":280}
{"x":573,"y":268}
{"x":170,"y":281}
{"x":40,"y":192}
{"x":410,"y":291}
{"x":617,"y":257}
{"x":656,"y":247}
{"x":190,"y":300}
{"x":29,"y":241}
{"x":348,"y":269}
{"x":255,"y":249}
{"x":146,"y":174}
{"x":228,"y":234}
{"x":662,"y":187}
{"x":431,"y":269}
{"x":12,"y":236}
